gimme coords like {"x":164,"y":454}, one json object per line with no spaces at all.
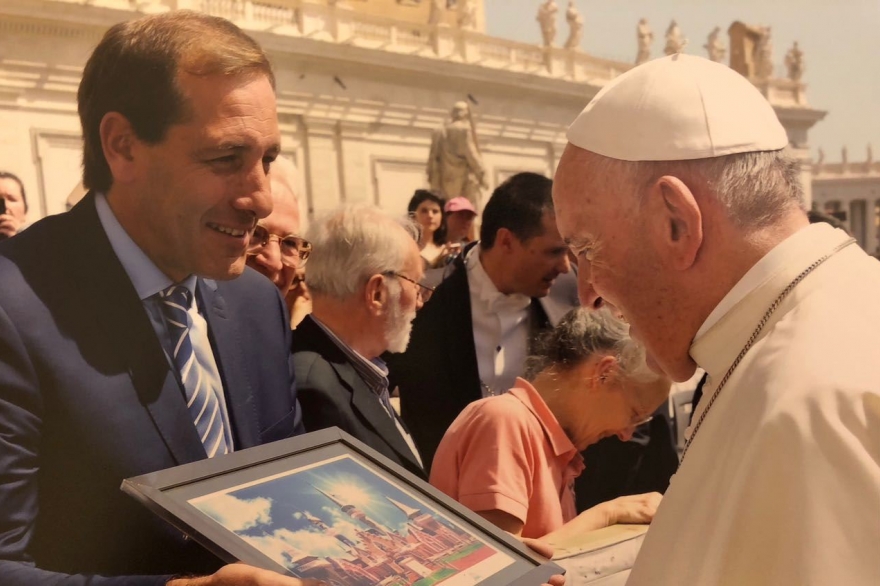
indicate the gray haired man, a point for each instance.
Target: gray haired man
{"x":364,"y":278}
{"x":685,"y":213}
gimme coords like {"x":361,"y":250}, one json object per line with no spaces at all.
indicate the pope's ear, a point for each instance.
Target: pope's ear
{"x":677,"y":221}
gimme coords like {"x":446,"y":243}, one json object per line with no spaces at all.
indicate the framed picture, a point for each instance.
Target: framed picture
{"x":324,"y":505}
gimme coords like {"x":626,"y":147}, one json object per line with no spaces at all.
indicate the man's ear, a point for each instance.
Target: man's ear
{"x":119,"y":142}
{"x":504,"y":240}
{"x":376,"y":295}
{"x":677,"y":221}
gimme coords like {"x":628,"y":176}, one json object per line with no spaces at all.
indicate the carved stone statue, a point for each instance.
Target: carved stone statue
{"x":575,"y":26}
{"x":455,"y":166}
{"x":645,"y":38}
{"x":844,"y":158}
{"x":820,"y":161}
{"x":794,"y":62}
{"x":675,"y":41}
{"x":764,"y":55}
{"x":467,"y":14}
{"x":870,"y":160}
{"x":715,"y":46}
{"x":547,"y":19}
{"x":435,"y":16}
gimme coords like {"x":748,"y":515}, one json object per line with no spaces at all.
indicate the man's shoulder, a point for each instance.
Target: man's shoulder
{"x":47,"y":239}
{"x":312,"y":369}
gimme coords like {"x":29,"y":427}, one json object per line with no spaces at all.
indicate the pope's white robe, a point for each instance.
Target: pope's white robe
{"x":781,"y":485}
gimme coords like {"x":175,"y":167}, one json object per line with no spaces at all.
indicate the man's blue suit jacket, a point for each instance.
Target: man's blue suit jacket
{"x":87,"y":398}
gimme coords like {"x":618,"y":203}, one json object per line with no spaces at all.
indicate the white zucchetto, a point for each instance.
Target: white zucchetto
{"x":677,"y":108}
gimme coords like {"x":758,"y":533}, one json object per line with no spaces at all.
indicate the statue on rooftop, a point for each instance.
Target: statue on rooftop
{"x":575,"y":26}
{"x":675,"y":40}
{"x":794,"y":62}
{"x":547,"y":19}
{"x":764,"y":55}
{"x":467,"y":14}
{"x":715,"y":46}
{"x":645,"y":38}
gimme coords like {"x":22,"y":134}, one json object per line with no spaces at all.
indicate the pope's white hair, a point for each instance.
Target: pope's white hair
{"x":756,"y":188}
{"x":352,"y":243}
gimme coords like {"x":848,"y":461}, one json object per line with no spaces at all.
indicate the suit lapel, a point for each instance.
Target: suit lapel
{"x":226,"y":344}
{"x":459,"y":342}
{"x":108,"y":294}
{"x":365,"y":401}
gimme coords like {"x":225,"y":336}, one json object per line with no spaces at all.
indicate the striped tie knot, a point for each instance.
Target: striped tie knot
{"x":176,"y":298}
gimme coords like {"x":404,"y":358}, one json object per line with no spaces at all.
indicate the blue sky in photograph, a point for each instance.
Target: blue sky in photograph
{"x":279,"y":507}
{"x":840,"y":40}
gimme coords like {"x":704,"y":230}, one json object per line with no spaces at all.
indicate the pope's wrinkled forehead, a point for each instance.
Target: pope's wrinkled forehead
{"x":677,"y":108}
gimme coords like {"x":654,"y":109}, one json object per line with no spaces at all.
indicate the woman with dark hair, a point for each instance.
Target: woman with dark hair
{"x":426,"y":209}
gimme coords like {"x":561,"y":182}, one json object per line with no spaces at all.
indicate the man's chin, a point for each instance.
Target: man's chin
{"x":226,"y":272}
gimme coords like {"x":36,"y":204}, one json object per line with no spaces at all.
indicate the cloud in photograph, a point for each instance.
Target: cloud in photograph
{"x":237,"y":514}
{"x":293,"y":542}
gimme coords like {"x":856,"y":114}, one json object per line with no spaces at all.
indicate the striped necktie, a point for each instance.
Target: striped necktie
{"x":201,"y":398}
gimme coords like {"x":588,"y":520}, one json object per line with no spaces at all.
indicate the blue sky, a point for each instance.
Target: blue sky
{"x":264,"y":512}
{"x":840,"y":40}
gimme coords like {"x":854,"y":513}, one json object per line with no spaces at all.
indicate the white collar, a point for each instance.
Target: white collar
{"x":760,"y":272}
{"x":480,"y":282}
{"x":717,"y":343}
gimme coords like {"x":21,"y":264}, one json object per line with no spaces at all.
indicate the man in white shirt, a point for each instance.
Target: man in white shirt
{"x":471,"y":339}
{"x":686,"y":214}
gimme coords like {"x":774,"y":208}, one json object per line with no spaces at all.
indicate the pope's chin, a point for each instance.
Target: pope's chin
{"x":678,"y":371}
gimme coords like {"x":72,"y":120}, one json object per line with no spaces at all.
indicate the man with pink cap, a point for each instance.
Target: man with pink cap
{"x":686,"y":214}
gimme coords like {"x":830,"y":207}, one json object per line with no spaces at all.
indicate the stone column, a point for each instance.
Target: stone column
{"x":322,"y":160}
{"x":354,"y":162}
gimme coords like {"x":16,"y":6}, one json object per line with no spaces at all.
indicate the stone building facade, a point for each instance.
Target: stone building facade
{"x":359,"y":91}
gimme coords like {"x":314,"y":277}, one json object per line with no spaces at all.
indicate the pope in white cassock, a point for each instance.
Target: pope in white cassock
{"x":686,"y":215}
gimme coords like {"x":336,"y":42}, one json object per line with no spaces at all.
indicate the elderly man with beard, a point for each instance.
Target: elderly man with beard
{"x":364,"y":278}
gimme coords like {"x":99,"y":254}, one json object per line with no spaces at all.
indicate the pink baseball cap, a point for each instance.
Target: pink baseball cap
{"x":459,"y":204}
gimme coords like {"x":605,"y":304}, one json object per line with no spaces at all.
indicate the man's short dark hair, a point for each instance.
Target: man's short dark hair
{"x":134,"y":70}
{"x":8,"y":175}
{"x":518,"y":204}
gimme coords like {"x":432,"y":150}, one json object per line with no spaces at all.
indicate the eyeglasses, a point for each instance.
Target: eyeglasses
{"x":295,"y":251}
{"x":423,"y":291}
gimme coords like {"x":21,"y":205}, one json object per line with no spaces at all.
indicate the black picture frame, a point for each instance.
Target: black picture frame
{"x":284,"y":505}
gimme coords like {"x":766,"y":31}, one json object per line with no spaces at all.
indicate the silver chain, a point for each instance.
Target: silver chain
{"x":773,"y":307}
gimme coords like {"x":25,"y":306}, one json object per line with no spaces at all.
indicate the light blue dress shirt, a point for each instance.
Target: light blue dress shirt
{"x":148,"y":280}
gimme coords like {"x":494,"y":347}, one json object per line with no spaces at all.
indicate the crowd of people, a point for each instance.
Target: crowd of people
{"x":183,"y":310}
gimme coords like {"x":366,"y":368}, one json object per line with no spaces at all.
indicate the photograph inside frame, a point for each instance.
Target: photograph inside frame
{"x":339,"y":521}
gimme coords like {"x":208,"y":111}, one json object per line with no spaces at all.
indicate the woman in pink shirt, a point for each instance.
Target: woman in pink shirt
{"x":513,"y":458}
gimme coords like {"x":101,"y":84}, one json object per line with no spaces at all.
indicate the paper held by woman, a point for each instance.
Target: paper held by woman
{"x":602,"y":557}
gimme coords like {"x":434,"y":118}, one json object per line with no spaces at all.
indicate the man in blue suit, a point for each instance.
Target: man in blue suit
{"x":132,"y":338}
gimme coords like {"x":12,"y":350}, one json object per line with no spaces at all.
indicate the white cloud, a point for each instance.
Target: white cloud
{"x":292,"y":542}
{"x":237,"y":514}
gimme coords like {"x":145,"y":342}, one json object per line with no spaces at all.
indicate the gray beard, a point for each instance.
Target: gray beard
{"x":398,"y":327}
